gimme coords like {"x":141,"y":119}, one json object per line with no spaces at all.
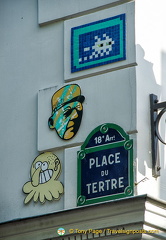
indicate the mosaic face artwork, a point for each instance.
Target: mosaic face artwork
{"x":67,"y":111}
{"x":98,"y":43}
{"x":45,"y":170}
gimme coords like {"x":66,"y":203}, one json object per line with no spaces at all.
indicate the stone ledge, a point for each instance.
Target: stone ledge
{"x":128,"y":213}
{"x":55,"y":10}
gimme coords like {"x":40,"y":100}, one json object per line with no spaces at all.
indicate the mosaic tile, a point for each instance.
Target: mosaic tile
{"x":98,"y":43}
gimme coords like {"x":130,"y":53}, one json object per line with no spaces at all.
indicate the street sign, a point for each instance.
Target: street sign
{"x":105,"y":165}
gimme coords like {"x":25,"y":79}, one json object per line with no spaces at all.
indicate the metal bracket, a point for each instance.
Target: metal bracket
{"x":155,"y":135}
{"x":143,"y":180}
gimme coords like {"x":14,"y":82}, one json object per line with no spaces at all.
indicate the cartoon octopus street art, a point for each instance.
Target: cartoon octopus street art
{"x":67,"y":111}
{"x":45,"y":170}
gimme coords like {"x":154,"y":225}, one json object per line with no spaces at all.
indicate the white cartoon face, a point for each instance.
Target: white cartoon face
{"x":101,"y":48}
{"x":45,"y":171}
{"x":45,"y":174}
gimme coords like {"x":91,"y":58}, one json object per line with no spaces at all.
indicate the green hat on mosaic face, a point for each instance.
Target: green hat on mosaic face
{"x":66,"y":94}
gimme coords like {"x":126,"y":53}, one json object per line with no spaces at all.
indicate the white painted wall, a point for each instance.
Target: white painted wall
{"x":31,"y":59}
{"x":151,"y":59}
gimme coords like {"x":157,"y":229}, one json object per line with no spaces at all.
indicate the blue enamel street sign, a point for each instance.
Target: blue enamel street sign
{"x":105,"y":165}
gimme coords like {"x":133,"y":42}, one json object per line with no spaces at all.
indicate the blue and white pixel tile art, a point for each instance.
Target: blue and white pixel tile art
{"x":98,"y":43}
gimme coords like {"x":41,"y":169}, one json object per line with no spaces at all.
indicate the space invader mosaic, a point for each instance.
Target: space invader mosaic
{"x":98,"y":43}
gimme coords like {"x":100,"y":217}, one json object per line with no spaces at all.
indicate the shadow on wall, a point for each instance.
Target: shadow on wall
{"x":146,"y":84}
{"x":162,"y":190}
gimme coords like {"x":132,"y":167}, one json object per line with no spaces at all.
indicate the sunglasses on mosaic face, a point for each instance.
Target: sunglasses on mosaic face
{"x":75,"y":99}
{"x":68,"y":111}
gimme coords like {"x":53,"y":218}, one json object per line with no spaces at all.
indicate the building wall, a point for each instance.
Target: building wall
{"x":30,"y":60}
{"x":150,"y":20}
{"x":33,"y":64}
